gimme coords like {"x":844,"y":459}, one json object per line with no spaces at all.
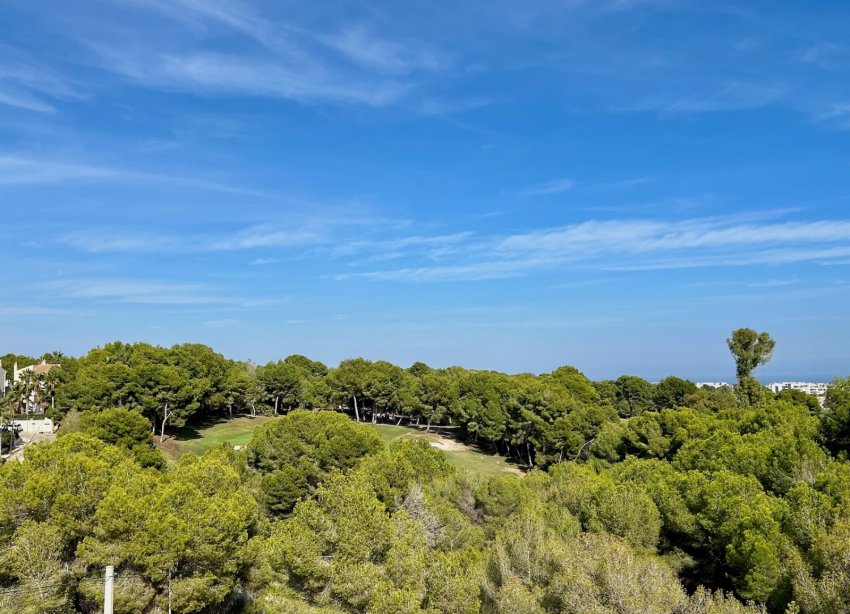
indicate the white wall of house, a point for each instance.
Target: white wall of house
{"x":32,"y":427}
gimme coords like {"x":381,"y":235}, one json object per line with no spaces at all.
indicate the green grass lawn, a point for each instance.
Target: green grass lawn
{"x":238,"y":431}
{"x":478,"y":462}
{"x":197,"y":440}
{"x":391,"y":432}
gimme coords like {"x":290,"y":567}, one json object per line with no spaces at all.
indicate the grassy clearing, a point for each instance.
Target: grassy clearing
{"x":460,"y":455}
{"x":197,"y":440}
{"x":238,"y":431}
{"x":391,"y":432}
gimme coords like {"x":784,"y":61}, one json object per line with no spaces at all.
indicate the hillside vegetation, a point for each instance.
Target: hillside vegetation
{"x":638,"y":498}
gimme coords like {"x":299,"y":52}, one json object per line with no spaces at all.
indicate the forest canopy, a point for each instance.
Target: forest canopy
{"x":638,"y":497}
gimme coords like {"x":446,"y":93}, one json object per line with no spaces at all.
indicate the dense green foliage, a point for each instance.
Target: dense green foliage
{"x":296,"y":453}
{"x":659,"y":498}
{"x":125,"y":429}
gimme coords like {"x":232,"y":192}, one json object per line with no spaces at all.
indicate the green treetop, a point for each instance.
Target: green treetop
{"x":750,"y":349}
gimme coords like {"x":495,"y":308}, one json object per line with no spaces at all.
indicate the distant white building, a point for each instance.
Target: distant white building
{"x":816,"y":388}
{"x":30,"y":403}
{"x":712,"y":384}
{"x":41,"y":368}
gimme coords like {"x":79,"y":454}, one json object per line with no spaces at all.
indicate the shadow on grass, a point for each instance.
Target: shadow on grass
{"x":193,"y":430}
{"x":184,"y":433}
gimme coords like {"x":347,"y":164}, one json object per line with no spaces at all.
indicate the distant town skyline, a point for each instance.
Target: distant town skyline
{"x":615,"y":185}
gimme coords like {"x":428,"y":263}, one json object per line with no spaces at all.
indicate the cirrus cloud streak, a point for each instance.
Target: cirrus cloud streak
{"x":636,"y":244}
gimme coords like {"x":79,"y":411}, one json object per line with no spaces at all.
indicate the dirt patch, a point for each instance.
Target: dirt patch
{"x":438,"y":441}
{"x":170,"y":447}
{"x":451,"y":445}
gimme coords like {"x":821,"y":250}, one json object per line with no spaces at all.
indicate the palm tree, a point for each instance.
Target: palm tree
{"x":28,"y":390}
{"x":54,"y":357}
{"x":49,"y":381}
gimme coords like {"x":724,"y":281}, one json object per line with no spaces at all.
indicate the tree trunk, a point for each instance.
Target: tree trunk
{"x":276,"y":403}
{"x":428,"y":427}
{"x":164,"y":420}
{"x":356,"y":411}
{"x":528,"y":450}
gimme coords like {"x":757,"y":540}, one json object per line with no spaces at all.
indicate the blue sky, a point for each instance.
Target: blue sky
{"x":613,"y":184}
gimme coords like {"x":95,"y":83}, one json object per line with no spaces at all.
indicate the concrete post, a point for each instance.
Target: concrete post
{"x":108,"y":580}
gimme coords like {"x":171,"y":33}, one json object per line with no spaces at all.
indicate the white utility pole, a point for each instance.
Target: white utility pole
{"x":108,"y":580}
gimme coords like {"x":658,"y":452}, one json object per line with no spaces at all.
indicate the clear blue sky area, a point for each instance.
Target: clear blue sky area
{"x":613,"y":184}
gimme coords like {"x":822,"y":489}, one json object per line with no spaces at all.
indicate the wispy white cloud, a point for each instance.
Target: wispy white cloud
{"x":216,"y":73}
{"x":760,"y":257}
{"x":609,"y":62}
{"x":449,"y":106}
{"x":122,"y":290}
{"x":474,"y":271}
{"x":732,"y":96}
{"x":549,"y":187}
{"x":836,"y":114}
{"x":826,"y":55}
{"x":644,"y":236}
{"x":620,"y":184}
{"x":263,"y":261}
{"x":14,"y":97}
{"x":120,"y":240}
{"x":582,"y":283}
{"x":27,"y":84}
{"x":350,"y":64}
{"x":774,"y":283}
{"x":16,"y":169}
{"x":400,"y":245}
{"x":362,"y":56}
{"x":269,"y":236}
{"x":637,"y":244}
{"x":14,"y":310}
{"x":361,"y":47}
{"x":236,"y":15}
{"x":616,"y":244}
{"x":223,"y":323}
{"x":327,"y":232}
